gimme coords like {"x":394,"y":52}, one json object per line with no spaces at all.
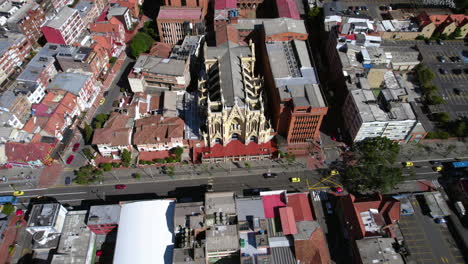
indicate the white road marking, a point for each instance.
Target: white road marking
{"x":51,"y":194}
{"x":25,"y":190}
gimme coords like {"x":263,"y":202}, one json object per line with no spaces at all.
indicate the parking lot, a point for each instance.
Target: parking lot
{"x":451,"y":74}
{"x":427,"y":241}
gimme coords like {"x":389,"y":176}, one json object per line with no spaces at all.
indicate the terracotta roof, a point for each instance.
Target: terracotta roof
{"x":21,"y":152}
{"x":287,"y":8}
{"x":103,"y":15}
{"x":115,"y":131}
{"x":271,"y":205}
{"x":288,"y":222}
{"x":104,"y":27}
{"x":237,"y":148}
{"x":227,"y":33}
{"x":225,"y":4}
{"x":104,"y":41}
{"x":56,"y":120}
{"x":314,"y":250}
{"x":180,"y":13}
{"x":301,"y":206}
{"x":161,"y":49}
{"x":157,"y":129}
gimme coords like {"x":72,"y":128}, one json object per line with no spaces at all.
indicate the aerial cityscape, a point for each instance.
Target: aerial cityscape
{"x":233,"y":131}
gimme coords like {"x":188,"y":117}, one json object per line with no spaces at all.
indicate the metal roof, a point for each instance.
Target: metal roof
{"x":252,"y":206}
{"x":69,"y":81}
{"x":59,"y":20}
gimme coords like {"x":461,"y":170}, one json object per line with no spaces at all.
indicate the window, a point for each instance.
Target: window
{"x":198,"y":3}
{"x":184,"y":2}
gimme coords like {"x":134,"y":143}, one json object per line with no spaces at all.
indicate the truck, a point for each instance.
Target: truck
{"x":459,"y":164}
{"x":460,"y":208}
{"x":4,"y":199}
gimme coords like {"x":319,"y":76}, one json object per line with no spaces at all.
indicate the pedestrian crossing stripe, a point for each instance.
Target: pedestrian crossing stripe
{"x":320,"y":195}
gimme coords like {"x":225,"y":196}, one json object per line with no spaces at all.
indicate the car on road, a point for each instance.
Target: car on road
{"x":334,"y":172}
{"x":437,"y":168}
{"x":255,"y":191}
{"x":18,"y":193}
{"x":457,"y":71}
{"x":440,"y":220}
{"x":121,"y":187}
{"x":269,"y":175}
{"x":455,"y":59}
{"x":67,"y":181}
{"x":408,"y":164}
{"x":428,"y":42}
{"x":295,"y":179}
{"x":102,"y":101}
{"x":105,"y":93}
{"x":70,"y":159}
{"x":457,"y":91}
{"x":434,"y":162}
{"x":338,"y":189}
{"x":19,"y":212}
{"x":75,"y":147}
{"x":443,"y":71}
{"x":440,"y":42}
{"x":441,"y":59}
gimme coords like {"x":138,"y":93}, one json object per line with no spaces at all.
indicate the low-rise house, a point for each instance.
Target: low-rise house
{"x":158,"y":133}
{"x":109,"y":35}
{"x":14,"y":109}
{"x":34,"y":92}
{"x":443,"y":23}
{"x":28,"y":154}
{"x":81,"y":85}
{"x":115,"y":136}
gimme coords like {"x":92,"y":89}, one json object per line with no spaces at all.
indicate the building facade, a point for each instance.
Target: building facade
{"x":14,"y":48}
{"x":175,"y":23}
{"x":115,"y":136}
{"x":158,"y":133}
{"x":28,"y":20}
{"x":65,"y":27}
{"x":81,"y":85}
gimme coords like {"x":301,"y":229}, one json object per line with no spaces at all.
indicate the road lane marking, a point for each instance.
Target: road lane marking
{"x":51,"y":194}
{"x":26,"y":190}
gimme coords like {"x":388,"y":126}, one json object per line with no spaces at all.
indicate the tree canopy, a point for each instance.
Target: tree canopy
{"x":373,"y":168}
{"x":88,"y":133}
{"x":87,"y":174}
{"x":141,"y":43}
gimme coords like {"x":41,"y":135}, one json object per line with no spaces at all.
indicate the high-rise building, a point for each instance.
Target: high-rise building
{"x":64,"y":28}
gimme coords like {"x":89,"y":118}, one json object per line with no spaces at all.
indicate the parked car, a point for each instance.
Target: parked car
{"x":67,"y":181}
{"x":329,"y":208}
{"x":440,"y":42}
{"x":443,"y":71}
{"x":75,"y":147}
{"x":455,"y":59}
{"x":441,"y":59}
{"x":408,"y":164}
{"x":457,"y":71}
{"x":70,"y":159}
{"x":457,"y":91}
{"x":121,"y":187}
{"x":102,"y":101}
{"x":105,"y":93}
{"x":18,"y":193}
{"x":295,"y":179}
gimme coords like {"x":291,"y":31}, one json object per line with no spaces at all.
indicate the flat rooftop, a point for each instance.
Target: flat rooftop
{"x":220,"y":202}
{"x":60,"y":19}
{"x":43,"y":214}
{"x":222,"y":238}
{"x":104,"y":214}
{"x":378,"y":250}
{"x":180,"y":13}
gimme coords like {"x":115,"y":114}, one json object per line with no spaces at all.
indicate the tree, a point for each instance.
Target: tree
{"x":112,"y":60}
{"x":424,"y":74}
{"x":437,"y":135}
{"x":178,"y":151}
{"x":456,"y":33}
{"x":435,"y":100}
{"x":429,"y":89}
{"x":149,"y":28}
{"x":141,"y":43}
{"x":88,"y":153}
{"x":136,"y":176}
{"x":170,"y":171}
{"x":247,"y":166}
{"x":420,"y":37}
{"x":87,"y":174}
{"x":126,"y":158}
{"x":106,"y":166}
{"x":88,"y":133}
{"x":8,"y":209}
{"x":373,"y":169}
{"x":442,"y":117}
{"x":99,"y":120}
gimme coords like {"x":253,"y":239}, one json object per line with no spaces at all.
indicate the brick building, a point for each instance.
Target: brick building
{"x":158,"y":133}
{"x":122,"y":14}
{"x":115,"y":136}
{"x":295,"y":99}
{"x":14,"y":48}
{"x":65,"y":27}
{"x":109,"y":35}
{"x":132,"y":5}
{"x":58,"y":4}
{"x":287,"y":8}
{"x":88,"y":11}
{"x":27,"y":20}
{"x":203,"y":4}
{"x":14,"y":109}
{"x":175,"y":23}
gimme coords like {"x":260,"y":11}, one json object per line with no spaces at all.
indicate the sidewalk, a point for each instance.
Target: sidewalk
{"x":433,"y":150}
{"x":10,"y":237}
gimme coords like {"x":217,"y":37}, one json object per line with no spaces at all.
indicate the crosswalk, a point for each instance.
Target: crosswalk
{"x":320,"y":195}
{"x":436,"y":184}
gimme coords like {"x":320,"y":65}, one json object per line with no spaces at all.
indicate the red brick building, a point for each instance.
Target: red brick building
{"x":203,"y":4}
{"x":295,"y":98}
{"x":64,"y":28}
{"x":58,"y":4}
{"x":287,"y":8}
{"x":103,"y":219}
{"x":130,"y":4}
{"x":109,"y":35}
{"x":14,"y":48}
{"x":175,"y":23}
{"x":28,"y":22}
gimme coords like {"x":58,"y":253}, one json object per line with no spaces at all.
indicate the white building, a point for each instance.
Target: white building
{"x":48,"y":218}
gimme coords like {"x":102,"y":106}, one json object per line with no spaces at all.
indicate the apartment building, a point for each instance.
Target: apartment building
{"x":81,"y":85}
{"x":88,"y":11}
{"x":115,"y":136}
{"x":122,"y":13}
{"x":33,"y":91}
{"x":175,"y":23}
{"x":14,"y":48}
{"x":14,"y":109}
{"x":65,"y":27}
{"x":109,"y":35}
{"x":59,"y":4}
{"x":132,"y":5}
{"x":26,"y":19}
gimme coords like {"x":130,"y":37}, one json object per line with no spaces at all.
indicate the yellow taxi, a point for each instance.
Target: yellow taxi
{"x":101,"y":102}
{"x":334,"y":172}
{"x":18,"y":193}
{"x":437,"y":168}
{"x":295,"y":179}
{"x":408,"y":164}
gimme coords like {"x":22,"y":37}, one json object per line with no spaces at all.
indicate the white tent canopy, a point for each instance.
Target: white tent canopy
{"x":145,"y":233}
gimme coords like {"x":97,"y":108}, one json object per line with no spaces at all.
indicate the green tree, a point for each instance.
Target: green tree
{"x":420,"y":37}
{"x":136,"y":176}
{"x":88,"y":133}
{"x":99,"y":120}
{"x":106,"y":166}
{"x":170,"y":171}
{"x":424,"y":74}
{"x":435,"y":100}
{"x":437,"y":135}
{"x":140,"y":43}
{"x":150,"y":29}
{"x":456,"y":33}
{"x":429,"y":89}
{"x":112,"y":60}
{"x":178,"y":151}
{"x":88,"y":153}
{"x":8,"y":209}
{"x":443,"y":36}
{"x":247,"y":166}
{"x":87,"y":174}
{"x":373,"y":167}
{"x":442,"y":117}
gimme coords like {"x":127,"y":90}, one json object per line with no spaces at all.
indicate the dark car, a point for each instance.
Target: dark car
{"x":67,"y":181}
{"x":455,"y":59}
{"x":465,"y":70}
{"x":443,"y":71}
{"x":75,"y":147}
{"x":457,"y":91}
{"x":440,"y":42}
{"x":269,"y":175}
{"x":457,"y":71}
{"x":121,"y":186}
{"x":70,"y":159}
{"x":428,"y":42}
{"x":255,"y":191}
{"x":441,"y":59}
{"x":105,"y":93}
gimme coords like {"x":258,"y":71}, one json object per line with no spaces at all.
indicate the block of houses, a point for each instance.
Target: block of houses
{"x":53,"y":115}
{"x":39,"y":71}
{"x":110,"y":35}
{"x":114,"y":136}
{"x":65,"y":28}
{"x":81,"y":85}
{"x":32,"y":155}
{"x":14,"y":109}
{"x":14,"y":48}
{"x":443,"y":23}
{"x":158,"y":133}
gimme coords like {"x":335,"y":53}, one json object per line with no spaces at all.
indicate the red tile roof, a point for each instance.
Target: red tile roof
{"x":114,"y":132}
{"x":288,"y":222}
{"x":151,"y":155}
{"x":227,"y":33}
{"x":225,"y":4}
{"x":158,"y":129}
{"x":21,"y":152}
{"x":103,"y":16}
{"x":104,"y":27}
{"x":314,"y":250}
{"x":180,"y":13}
{"x":161,"y":49}
{"x":271,"y":204}
{"x":299,"y":202}
{"x":237,"y":148}
{"x":287,"y":8}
